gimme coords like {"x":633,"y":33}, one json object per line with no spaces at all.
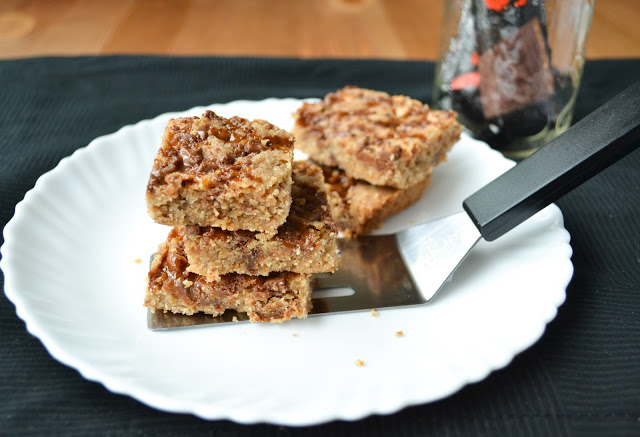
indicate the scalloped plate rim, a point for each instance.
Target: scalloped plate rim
{"x":207,"y":412}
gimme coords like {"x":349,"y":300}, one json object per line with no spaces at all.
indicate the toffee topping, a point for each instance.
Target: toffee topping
{"x":170,"y":274}
{"x":338,"y":181}
{"x":380,"y":116}
{"x":185,"y":143}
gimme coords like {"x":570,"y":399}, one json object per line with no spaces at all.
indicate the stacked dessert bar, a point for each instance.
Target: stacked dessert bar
{"x":249,"y":225}
{"x":377,"y":152}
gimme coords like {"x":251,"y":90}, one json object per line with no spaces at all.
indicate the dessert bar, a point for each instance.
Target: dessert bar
{"x":373,"y":136}
{"x":305,"y":243}
{"x":273,"y":298}
{"x":230,"y":173}
{"x":359,"y":207}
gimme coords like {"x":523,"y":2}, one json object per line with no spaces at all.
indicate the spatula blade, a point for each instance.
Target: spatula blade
{"x":371,"y":266}
{"x":371,"y":275}
{"x":375,"y":272}
{"x":433,"y":251}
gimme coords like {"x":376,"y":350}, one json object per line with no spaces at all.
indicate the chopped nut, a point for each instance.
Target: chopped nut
{"x":402,"y":111}
{"x":374,"y":313}
{"x":399,"y":334}
{"x":359,"y":363}
{"x":137,"y":261}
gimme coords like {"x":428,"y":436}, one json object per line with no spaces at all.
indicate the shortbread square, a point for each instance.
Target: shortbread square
{"x":305,"y":243}
{"x":372,"y":136}
{"x":359,"y":207}
{"x":230,"y":173}
{"x":171,"y":287}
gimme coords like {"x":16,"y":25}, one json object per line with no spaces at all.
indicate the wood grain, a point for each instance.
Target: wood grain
{"x":391,"y":29}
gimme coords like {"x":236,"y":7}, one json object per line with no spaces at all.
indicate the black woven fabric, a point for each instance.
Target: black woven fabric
{"x":581,"y":378}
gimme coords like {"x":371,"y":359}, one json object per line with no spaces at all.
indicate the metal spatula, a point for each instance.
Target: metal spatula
{"x":410,"y":267}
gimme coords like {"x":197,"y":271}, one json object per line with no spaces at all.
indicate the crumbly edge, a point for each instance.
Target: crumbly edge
{"x":376,"y":144}
{"x":243,"y":204}
{"x":276,"y":298}
{"x":305,"y":243}
{"x":364,"y":207}
{"x":213,"y":257}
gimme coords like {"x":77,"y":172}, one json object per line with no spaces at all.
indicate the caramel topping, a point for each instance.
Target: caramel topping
{"x":382,"y":128}
{"x":309,"y":207}
{"x":212,"y":145}
{"x":338,"y":181}
{"x":171,"y":275}
{"x":171,"y":272}
{"x":365,"y":110}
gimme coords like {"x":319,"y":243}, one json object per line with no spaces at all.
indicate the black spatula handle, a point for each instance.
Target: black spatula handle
{"x":588,"y":147}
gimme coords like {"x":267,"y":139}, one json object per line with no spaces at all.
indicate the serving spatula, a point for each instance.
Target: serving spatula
{"x":410,"y":267}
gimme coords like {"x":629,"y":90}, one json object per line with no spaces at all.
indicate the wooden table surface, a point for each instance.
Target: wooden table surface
{"x":391,"y":29}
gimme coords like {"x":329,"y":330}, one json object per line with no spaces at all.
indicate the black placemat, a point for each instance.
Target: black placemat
{"x":581,"y":378}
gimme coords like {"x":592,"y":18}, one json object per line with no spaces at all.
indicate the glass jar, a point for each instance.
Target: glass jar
{"x":512,"y":68}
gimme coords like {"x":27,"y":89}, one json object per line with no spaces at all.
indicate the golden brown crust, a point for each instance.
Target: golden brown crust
{"x":372,"y":136}
{"x":231,"y":173}
{"x":274,"y":298}
{"x":359,"y":207}
{"x":305,"y":243}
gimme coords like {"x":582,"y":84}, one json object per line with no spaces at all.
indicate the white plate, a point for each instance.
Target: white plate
{"x":69,"y":265}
